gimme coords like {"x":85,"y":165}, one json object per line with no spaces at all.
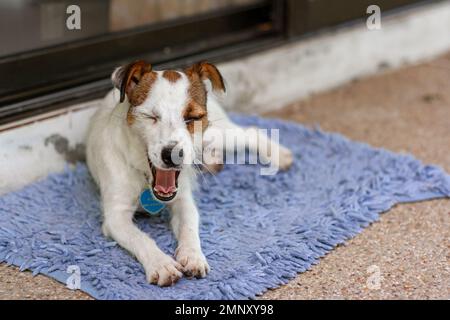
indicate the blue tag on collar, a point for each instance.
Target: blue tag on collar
{"x":149,"y":203}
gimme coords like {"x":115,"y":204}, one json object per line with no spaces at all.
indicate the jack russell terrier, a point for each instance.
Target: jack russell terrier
{"x":143,"y":137}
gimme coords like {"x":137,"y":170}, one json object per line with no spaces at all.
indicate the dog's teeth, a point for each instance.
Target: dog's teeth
{"x":165,"y":195}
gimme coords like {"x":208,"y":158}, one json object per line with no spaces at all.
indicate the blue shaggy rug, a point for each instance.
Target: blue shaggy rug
{"x":257,"y":231}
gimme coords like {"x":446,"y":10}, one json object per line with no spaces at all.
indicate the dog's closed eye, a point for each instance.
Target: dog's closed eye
{"x":152,"y":117}
{"x":190,"y":119}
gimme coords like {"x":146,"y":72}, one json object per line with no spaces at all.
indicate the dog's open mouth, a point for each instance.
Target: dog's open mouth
{"x":165,"y":183}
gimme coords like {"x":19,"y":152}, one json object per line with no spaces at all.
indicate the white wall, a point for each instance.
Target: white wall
{"x":26,"y":154}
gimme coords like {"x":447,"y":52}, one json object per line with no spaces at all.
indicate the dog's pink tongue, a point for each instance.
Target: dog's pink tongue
{"x":165,"y":181}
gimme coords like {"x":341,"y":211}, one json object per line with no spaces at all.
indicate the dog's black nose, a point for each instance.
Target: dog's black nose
{"x":172,"y":156}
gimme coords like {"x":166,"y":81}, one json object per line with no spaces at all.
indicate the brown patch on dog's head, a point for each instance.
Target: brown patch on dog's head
{"x":135,"y":80}
{"x":206,"y":71}
{"x":171,"y":75}
{"x":197,"y":90}
{"x":127,"y":78}
{"x":138,"y":95}
{"x":193,"y":113}
{"x":196,"y":109}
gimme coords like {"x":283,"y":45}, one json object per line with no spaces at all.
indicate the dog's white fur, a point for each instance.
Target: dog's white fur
{"x":117,"y":158}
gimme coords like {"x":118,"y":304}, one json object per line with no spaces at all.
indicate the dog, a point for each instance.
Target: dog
{"x":146,"y":121}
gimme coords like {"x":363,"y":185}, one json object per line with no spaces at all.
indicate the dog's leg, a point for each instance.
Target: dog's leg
{"x":118,"y":224}
{"x":185,"y":224}
{"x":253,"y":139}
{"x":268,"y":150}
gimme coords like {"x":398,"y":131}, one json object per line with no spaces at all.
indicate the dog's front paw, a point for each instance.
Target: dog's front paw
{"x":193,"y":261}
{"x":163,"y":270}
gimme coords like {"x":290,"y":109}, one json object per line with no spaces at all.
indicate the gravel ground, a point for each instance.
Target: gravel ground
{"x":407,"y":252}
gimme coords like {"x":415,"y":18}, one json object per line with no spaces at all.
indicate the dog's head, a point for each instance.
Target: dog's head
{"x":167,"y":109}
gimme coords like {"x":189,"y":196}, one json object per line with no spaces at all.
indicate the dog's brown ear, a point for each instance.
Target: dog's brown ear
{"x":126,"y":78}
{"x":206,"y":70}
